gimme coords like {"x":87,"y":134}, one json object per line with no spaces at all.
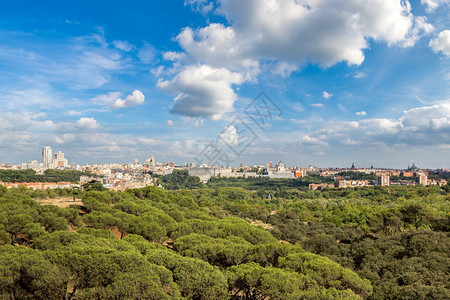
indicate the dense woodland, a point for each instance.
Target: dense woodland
{"x":49,"y":175}
{"x":227,"y":243}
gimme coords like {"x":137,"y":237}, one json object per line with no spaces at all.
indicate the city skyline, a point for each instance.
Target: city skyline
{"x":58,"y":160}
{"x":109,"y":82}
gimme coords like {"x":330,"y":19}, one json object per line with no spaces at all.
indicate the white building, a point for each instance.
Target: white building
{"x":59,"y":161}
{"x":47,"y":158}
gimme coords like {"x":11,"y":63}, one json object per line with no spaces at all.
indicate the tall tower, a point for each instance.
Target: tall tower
{"x":47,"y":156}
{"x":59,"y":161}
{"x":383,"y":180}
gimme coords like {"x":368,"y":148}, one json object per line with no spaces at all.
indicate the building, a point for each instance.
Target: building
{"x":299,"y":173}
{"x":47,"y":157}
{"x":422,"y":179}
{"x":32,"y":165}
{"x":320,"y":186}
{"x":407,"y":174}
{"x":280,"y":175}
{"x":383,"y":180}
{"x":204,"y":173}
{"x":59,"y":161}
{"x":279,"y":171}
{"x":352,"y":183}
{"x":442,"y":182}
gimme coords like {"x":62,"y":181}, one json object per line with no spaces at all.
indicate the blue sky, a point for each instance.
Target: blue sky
{"x":107,"y":81}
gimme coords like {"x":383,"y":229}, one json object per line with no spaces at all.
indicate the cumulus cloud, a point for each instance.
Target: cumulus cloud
{"x":431,"y":5}
{"x":324,"y":32}
{"x":441,"y":43}
{"x":317,"y":105}
{"x":428,"y":125}
{"x":203,"y":91}
{"x":282,"y":36}
{"x":361,"y":113}
{"x":74,"y":113}
{"x":22,"y":136}
{"x":186,"y":148}
{"x":114,"y":101}
{"x":203,"y":6}
{"x":107,"y":99}
{"x":170,"y":122}
{"x":87,"y":123}
{"x":136,"y":98}
{"x":326,"y":95}
{"x":230,"y":136}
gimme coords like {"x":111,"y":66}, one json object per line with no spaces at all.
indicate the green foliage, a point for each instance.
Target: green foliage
{"x":264,"y":183}
{"x":48,"y":176}
{"x":150,"y":243}
{"x":100,"y":233}
{"x":93,"y":185}
{"x":180,"y":179}
{"x":28,"y":274}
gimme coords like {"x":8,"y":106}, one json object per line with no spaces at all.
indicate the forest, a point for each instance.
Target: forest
{"x":49,"y":175}
{"x":227,"y":243}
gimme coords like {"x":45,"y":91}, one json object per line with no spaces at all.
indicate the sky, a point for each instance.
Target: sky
{"x":308,"y":82}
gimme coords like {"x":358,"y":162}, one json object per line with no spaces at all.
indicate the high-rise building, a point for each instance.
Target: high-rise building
{"x":422,"y":179}
{"x":59,"y":161}
{"x":383,"y":180}
{"x":47,"y":157}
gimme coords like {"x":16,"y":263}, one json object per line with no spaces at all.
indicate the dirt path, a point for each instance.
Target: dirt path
{"x":62,"y":202}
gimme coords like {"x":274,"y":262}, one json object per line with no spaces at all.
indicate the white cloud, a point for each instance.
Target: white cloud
{"x":87,"y":123}
{"x":170,"y":122}
{"x":297,"y":121}
{"x":203,"y":6}
{"x":428,"y":125}
{"x":136,"y":98}
{"x":38,"y":95}
{"x":107,"y":99}
{"x":326,"y":95}
{"x":74,"y":113}
{"x":147,"y":53}
{"x":431,"y":5}
{"x":186,"y":148}
{"x":157,"y":71}
{"x":317,"y":105}
{"x":215,"y":45}
{"x":361,"y":113}
{"x":314,"y":141}
{"x":441,"y":43}
{"x":203,"y":91}
{"x":123,"y":45}
{"x":230,"y":136}
{"x":324,"y":32}
{"x":423,"y":117}
{"x":359,"y":75}
{"x":421,"y":27}
{"x":350,"y":142}
{"x":281,"y":36}
{"x":114,"y":101}
{"x":298,"y":107}
{"x":26,"y":122}
{"x":78,"y":63}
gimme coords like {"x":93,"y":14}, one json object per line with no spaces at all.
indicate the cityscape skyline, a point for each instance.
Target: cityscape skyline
{"x":58,"y":160}
{"x":351,"y":84}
